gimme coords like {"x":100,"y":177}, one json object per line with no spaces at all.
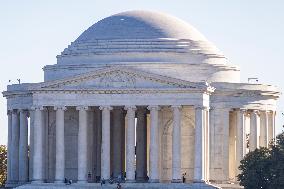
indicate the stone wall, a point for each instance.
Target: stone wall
{"x":187,"y":143}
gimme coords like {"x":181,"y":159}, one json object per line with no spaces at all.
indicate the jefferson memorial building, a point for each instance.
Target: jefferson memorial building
{"x":141,"y":97}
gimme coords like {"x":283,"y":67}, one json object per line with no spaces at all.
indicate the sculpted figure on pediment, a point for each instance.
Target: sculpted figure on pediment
{"x":117,"y":79}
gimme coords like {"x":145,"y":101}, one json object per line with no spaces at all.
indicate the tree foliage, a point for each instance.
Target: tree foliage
{"x":3,"y":164}
{"x":264,"y":167}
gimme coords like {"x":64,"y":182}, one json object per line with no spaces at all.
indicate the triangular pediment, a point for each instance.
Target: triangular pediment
{"x":119,"y":78}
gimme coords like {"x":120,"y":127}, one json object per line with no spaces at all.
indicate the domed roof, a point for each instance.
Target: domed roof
{"x":140,"y":25}
{"x":141,"y":36}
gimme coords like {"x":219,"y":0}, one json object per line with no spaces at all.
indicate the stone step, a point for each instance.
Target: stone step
{"x":230,"y":186}
{"x":123,"y":186}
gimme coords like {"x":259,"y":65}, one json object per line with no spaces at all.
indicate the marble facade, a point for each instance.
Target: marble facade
{"x":140,"y":96}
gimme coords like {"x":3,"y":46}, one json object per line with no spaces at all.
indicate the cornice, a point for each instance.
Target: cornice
{"x":246,"y":93}
{"x":12,"y":94}
{"x":118,"y":91}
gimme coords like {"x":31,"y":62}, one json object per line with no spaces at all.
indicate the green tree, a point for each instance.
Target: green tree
{"x":277,"y":163}
{"x":264,"y":167}
{"x":254,"y":166}
{"x":3,"y":164}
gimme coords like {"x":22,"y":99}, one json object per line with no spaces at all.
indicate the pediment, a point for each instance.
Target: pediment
{"x":119,"y":78}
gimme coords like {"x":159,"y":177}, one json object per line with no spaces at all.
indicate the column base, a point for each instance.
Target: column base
{"x":37,"y":182}
{"x":198,"y":181}
{"x":176,"y":181}
{"x":153,"y":181}
{"x":130,"y":181}
{"x":141,"y":180}
{"x":81,"y":182}
{"x":22,"y":182}
{"x":11,"y":184}
{"x":59,"y":181}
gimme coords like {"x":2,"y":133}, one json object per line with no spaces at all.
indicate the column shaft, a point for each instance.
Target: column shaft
{"x":130,"y":146}
{"x":154,"y":144}
{"x":176,"y":145}
{"x":82,"y":145}
{"x":60,"y":146}
{"x":38,"y":146}
{"x":98,"y":126}
{"x":31,"y":147}
{"x":123,"y":144}
{"x":141,"y":148}
{"x":254,"y":125}
{"x":263,"y":132}
{"x":207,"y":144}
{"x":15,"y":146}
{"x":105,"y":155}
{"x":240,"y":138}
{"x":271,"y":126}
{"x":199,"y":159}
{"x":9,"y":144}
{"x":117,"y":144}
{"x":23,"y":150}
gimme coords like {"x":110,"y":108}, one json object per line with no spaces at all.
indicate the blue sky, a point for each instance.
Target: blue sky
{"x":32,"y":33}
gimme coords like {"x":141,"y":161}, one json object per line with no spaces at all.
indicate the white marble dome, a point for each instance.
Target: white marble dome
{"x":143,"y":36}
{"x":141,"y":25}
{"x":147,"y":40}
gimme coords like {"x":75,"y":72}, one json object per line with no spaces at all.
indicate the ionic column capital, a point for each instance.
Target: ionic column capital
{"x":173,"y":107}
{"x":86,"y":108}
{"x":255,"y":112}
{"x":141,"y":110}
{"x":202,"y":108}
{"x":153,"y":107}
{"x":264,"y":112}
{"x":42,"y":108}
{"x":271,"y":112}
{"x":15,"y":111}
{"x":23,"y":111}
{"x":60,"y":108}
{"x":9,"y":112}
{"x":133,"y":108}
{"x":243,"y":111}
{"x":106,"y":108}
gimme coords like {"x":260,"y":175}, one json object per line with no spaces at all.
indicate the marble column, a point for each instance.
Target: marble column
{"x":240,"y":137}
{"x":98,"y":127}
{"x":105,"y":154}
{"x":60,"y":146}
{"x":130,"y":145}
{"x":263,"y":132}
{"x":23,"y":149}
{"x":9,"y":144}
{"x":123,"y":143}
{"x":154,"y":144}
{"x":38,"y":176}
{"x":176,"y":144}
{"x":31,"y":147}
{"x":117,"y":144}
{"x":199,"y":156}
{"x":15,"y":146}
{"x":45,"y":143}
{"x":271,"y":125}
{"x":141,"y":147}
{"x":82,"y":144}
{"x":254,"y":125}
{"x":206,"y":144}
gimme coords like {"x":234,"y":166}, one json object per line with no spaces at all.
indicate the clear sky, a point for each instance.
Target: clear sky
{"x":33,"y":32}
